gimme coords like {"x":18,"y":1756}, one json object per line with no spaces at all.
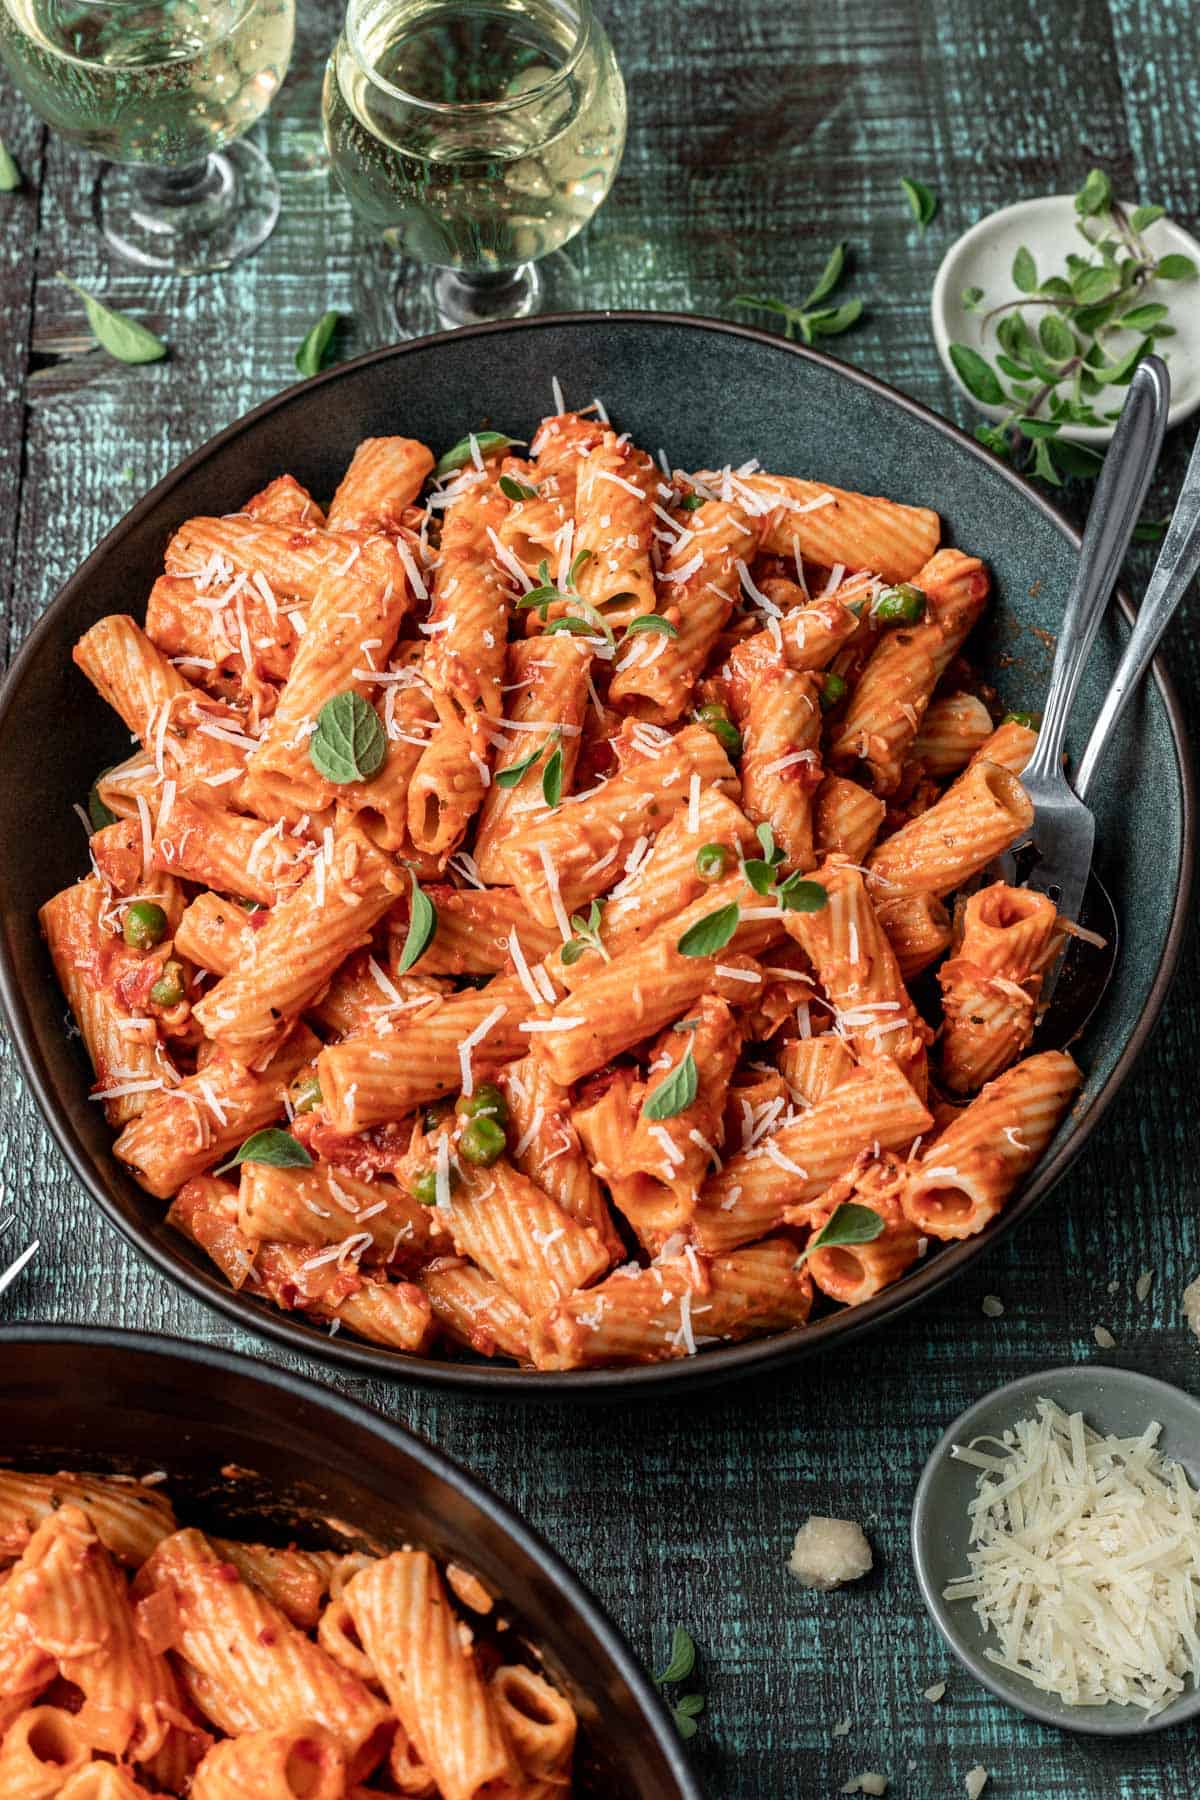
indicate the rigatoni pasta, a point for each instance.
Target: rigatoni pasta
{"x":513,"y":931}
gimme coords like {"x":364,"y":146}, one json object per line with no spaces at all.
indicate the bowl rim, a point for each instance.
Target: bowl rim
{"x":570,"y":1586}
{"x":1012,"y":1689}
{"x":715,"y":1366}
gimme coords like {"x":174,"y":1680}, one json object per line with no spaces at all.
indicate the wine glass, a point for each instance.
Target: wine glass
{"x":164,"y":93}
{"x":477,"y":137}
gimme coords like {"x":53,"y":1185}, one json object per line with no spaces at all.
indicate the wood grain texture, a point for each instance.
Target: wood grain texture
{"x":759,"y":137}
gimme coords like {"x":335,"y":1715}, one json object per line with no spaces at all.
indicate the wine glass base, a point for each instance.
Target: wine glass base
{"x":188,"y":221}
{"x":429,"y":300}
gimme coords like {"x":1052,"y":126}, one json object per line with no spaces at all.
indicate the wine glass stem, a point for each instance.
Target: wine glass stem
{"x":165,"y":188}
{"x":473,"y":299}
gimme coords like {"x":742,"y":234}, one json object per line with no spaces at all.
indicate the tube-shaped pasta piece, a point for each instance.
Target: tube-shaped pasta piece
{"x":606,"y":1123}
{"x":1011,"y":745}
{"x":368,"y":1079}
{"x":846,"y":818}
{"x":385,"y":475}
{"x":696,"y":588}
{"x":536,"y":530}
{"x":258,"y":1671}
{"x":297,"y":1761}
{"x":514,"y":1231}
{"x":474,"y":1310}
{"x":642,"y":990}
{"x":379,"y":805}
{"x":25,"y":1667}
{"x":797,"y":1162}
{"x":128,"y":1518}
{"x":967,"y":1173}
{"x":200,"y":841}
{"x":337,"y":1636}
{"x":953,"y":729}
{"x":410,"y":1632}
{"x":468,"y":619}
{"x":614,"y":526}
{"x":329,"y":1283}
{"x":889,"y":701}
{"x":831,"y":525}
{"x":991,"y":985}
{"x":363,"y":996}
{"x":128,"y":1064}
{"x":226,"y":649}
{"x":853,"y":1273}
{"x":857,"y":968}
{"x":474,"y":931}
{"x":42,"y":1748}
{"x":548,"y":677}
{"x":677,"y":1151}
{"x":77,"y":1605}
{"x":290,"y":561}
{"x":781,"y":760}
{"x":102,"y":1781}
{"x":185,"y":1129}
{"x":296,"y":1580}
{"x":355,"y":615}
{"x":130,"y":672}
{"x":808,"y":638}
{"x":578,"y":852}
{"x":446,"y":789}
{"x":546,"y":1147}
{"x":323,"y":1205}
{"x":980,"y":815}
{"x":217,"y":934}
{"x":814,"y":1066}
{"x":284,"y":501}
{"x":538,"y":1721}
{"x":558,"y":445}
{"x":120,"y":786}
{"x":918,"y":929}
{"x":304,"y":939}
{"x":668,"y":1311}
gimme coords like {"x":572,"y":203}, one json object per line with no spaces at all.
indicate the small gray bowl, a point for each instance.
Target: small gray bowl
{"x":1118,"y":1401}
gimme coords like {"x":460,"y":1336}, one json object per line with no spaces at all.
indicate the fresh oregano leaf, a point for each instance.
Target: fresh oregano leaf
{"x":1043,"y":463}
{"x":1024,"y":271}
{"x":1150,"y":531}
{"x":672,"y":1096}
{"x":515,"y":490}
{"x":1095,"y":194}
{"x":422,"y":923}
{"x":1175,"y":268}
{"x":98,"y":813}
{"x":514,"y":774}
{"x":310,"y":357}
{"x":653,"y":622}
{"x":922,"y":200}
{"x":691,"y":1705}
{"x":121,"y":336}
{"x":1142,"y":216}
{"x":10,"y":175}
{"x":976,"y":375}
{"x":848,"y":1224}
{"x":798,"y":895}
{"x":349,"y":743}
{"x":683,"y":1657}
{"x":833,"y":322}
{"x":1144,"y":318}
{"x":1056,"y":337}
{"x":971,"y":297}
{"x":829,"y":277}
{"x":552,"y":779}
{"x":278,"y":1149}
{"x":460,"y":454}
{"x":711,"y":933}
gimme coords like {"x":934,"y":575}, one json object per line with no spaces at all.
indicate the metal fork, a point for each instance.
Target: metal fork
{"x":1057,"y":855}
{"x":9,"y":1275}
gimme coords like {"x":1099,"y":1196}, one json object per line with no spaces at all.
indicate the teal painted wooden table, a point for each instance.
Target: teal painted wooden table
{"x":759,"y":136}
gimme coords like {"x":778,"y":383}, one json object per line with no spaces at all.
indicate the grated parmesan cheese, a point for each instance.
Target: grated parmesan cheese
{"x":975,"y":1781}
{"x":469,"y":1042}
{"x":1085,"y":1561}
{"x":870,"y":1782}
{"x":828,"y":1552}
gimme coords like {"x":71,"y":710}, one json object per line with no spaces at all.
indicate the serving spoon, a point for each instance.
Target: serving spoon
{"x":1086,"y":967}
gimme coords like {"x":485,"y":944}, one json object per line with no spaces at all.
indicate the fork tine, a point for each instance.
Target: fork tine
{"x":14,"y":1269}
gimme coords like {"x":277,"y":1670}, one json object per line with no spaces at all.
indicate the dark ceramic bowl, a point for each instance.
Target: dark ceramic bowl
{"x":121,"y":1402}
{"x":709,"y":393}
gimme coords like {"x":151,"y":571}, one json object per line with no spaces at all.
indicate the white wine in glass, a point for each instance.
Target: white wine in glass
{"x":477,"y":138}
{"x":164,"y":93}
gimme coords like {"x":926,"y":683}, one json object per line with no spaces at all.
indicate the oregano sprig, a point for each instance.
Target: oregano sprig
{"x":810,"y":320}
{"x":587,"y":936}
{"x":687,"y":1709}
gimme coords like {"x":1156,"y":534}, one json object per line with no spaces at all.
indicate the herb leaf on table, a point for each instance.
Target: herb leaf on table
{"x":114,"y":331}
{"x":10,"y":175}
{"x":810,"y":320}
{"x":923,"y":201}
{"x":1058,"y":344}
{"x":310,"y":357}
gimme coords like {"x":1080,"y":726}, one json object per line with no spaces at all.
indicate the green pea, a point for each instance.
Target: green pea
{"x":306,"y":1093}
{"x":1027,"y":719}
{"x":168,"y":989}
{"x":482,"y":1141}
{"x":903,"y":604}
{"x":712,"y":860}
{"x":715,"y":718}
{"x":424,"y":1187}
{"x":145,"y":925}
{"x":435,"y":1116}
{"x":833,"y":689}
{"x":487,"y":1102}
{"x":691,"y":503}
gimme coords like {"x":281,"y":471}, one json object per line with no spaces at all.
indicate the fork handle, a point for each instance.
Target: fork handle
{"x":1178,"y":561}
{"x":1120,"y":492}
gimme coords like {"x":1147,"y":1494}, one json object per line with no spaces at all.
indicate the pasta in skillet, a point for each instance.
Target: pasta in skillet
{"x":503,"y":935}
{"x":139,"y":1658}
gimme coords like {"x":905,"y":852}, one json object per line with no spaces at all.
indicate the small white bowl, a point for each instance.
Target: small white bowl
{"x":983,"y":257}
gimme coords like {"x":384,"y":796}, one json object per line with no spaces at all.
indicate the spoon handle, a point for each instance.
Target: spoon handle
{"x":1120,"y":492}
{"x":1178,"y":561}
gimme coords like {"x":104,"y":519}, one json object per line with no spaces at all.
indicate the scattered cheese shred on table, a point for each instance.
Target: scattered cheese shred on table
{"x":1085,"y":1561}
{"x":976,"y":1781}
{"x":1191,"y":1305}
{"x":868,"y":1783}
